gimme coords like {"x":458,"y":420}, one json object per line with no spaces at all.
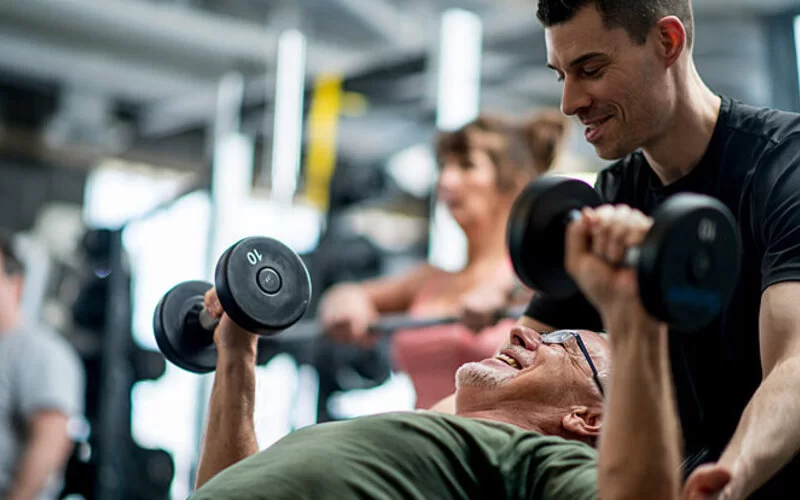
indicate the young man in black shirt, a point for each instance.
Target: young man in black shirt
{"x":628,"y":75}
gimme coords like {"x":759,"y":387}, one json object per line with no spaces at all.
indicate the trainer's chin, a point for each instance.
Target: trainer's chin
{"x":481,"y":375}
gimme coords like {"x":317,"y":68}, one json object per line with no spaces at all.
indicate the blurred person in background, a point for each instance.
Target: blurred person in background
{"x":483,"y":166}
{"x":41,"y":388}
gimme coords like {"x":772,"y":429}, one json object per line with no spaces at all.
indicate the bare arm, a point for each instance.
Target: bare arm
{"x":46,"y":452}
{"x":768,"y":435}
{"x":386,"y":294}
{"x":639,"y":451}
{"x":639,"y":447}
{"x":347,"y":310}
{"x":230,"y":432}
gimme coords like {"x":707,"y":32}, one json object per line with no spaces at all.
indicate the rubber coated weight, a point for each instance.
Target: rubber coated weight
{"x":687,"y":266}
{"x":262,"y":285}
{"x":535,"y":232}
{"x":689,"y":261}
{"x":178,"y":335}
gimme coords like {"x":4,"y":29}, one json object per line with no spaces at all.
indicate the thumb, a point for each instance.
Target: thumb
{"x":212,"y":304}
{"x":706,"y":481}
{"x":713,"y":478}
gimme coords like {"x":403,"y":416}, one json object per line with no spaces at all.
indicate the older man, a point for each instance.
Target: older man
{"x":525,"y":424}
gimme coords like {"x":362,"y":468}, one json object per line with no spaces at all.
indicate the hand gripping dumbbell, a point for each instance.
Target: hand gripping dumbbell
{"x":262,"y":285}
{"x":687,"y":266}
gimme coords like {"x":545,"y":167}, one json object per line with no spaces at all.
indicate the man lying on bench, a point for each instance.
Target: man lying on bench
{"x":545,"y":418}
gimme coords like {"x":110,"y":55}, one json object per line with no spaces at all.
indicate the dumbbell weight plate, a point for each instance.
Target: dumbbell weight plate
{"x":189,"y":348}
{"x":689,"y":262}
{"x":262,"y":285}
{"x":536,"y":232}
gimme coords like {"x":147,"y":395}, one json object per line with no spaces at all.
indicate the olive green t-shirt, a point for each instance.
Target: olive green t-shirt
{"x":405,"y":455}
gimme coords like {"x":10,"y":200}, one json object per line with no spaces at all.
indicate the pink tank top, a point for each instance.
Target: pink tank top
{"x":431,"y":356}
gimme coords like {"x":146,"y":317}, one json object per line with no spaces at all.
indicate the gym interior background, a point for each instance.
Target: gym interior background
{"x":139,"y":138}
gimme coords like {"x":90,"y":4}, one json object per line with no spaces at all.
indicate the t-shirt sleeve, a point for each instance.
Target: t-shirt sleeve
{"x":776,"y":214}
{"x":51,"y":378}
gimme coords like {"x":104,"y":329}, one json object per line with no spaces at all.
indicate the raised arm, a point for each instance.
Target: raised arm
{"x":639,"y":447}
{"x":230,"y":434}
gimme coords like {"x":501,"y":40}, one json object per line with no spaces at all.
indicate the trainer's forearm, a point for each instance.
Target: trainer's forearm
{"x":768,"y":435}
{"x":639,"y":448}
{"x":230,"y":433}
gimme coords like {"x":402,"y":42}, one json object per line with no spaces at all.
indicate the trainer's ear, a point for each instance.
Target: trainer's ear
{"x":672,"y":39}
{"x":583,"y":421}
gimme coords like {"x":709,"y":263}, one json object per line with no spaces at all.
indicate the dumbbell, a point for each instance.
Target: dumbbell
{"x":687,"y":266}
{"x":262,"y":285}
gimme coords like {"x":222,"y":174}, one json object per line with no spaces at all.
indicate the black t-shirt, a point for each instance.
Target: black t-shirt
{"x":752,"y":164}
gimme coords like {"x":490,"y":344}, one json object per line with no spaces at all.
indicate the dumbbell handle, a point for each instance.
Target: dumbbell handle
{"x":207,"y":321}
{"x":198,"y":320}
{"x":631,"y":257}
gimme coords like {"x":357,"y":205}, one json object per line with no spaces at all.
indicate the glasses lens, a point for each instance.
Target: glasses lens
{"x":558,"y":337}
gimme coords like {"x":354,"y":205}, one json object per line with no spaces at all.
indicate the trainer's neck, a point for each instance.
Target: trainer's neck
{"x":688,"y":134}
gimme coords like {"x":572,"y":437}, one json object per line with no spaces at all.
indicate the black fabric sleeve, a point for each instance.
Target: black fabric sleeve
{"x":776,"y":212}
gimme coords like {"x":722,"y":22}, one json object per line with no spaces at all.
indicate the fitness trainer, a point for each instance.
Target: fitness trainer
{"x":628,"y":74}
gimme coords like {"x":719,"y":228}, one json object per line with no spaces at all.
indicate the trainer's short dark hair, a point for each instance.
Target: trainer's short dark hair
{"x":12,"y":264}
{"x":634,"y":16}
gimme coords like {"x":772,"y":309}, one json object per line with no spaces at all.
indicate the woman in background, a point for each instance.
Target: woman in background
{"x":483,"y":166}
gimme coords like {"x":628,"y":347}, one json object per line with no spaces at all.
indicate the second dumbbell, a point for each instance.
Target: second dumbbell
{"x":687,"y":266}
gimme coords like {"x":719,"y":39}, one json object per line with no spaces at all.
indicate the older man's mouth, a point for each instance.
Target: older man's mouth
{"x":505,"y":358}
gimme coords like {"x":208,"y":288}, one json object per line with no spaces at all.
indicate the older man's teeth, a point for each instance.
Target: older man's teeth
{"x":508,"y":360}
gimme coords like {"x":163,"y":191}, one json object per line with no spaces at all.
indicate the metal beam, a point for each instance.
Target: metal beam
{"x":196,"y":43}
{"x":121,"y":76}
{"x":386,"y":20}
{"x":178,"y":114}
{"x":146,"y":27}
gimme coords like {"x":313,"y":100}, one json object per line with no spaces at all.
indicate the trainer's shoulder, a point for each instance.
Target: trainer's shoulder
{"x":764,"y":125}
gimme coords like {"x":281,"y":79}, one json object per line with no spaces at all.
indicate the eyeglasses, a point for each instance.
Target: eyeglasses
{"x":561,"y":337}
